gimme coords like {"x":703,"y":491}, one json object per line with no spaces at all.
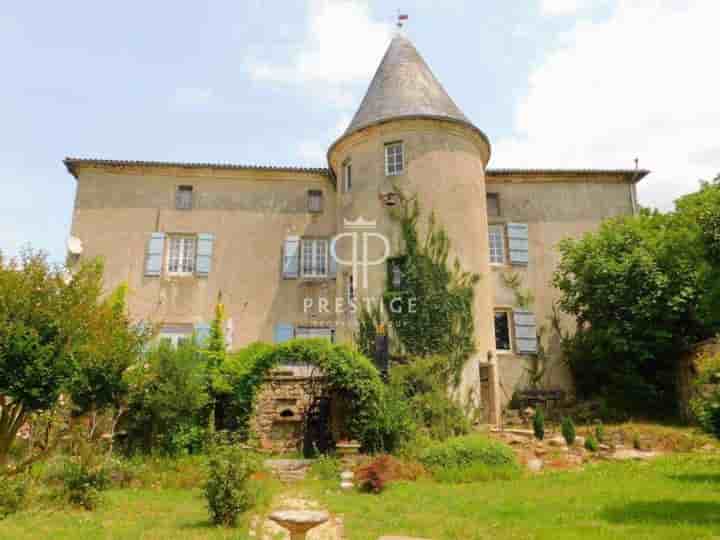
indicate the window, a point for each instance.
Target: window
{"x":314,"y":257}
{"x":502,"y":331}
{"x":493,"y":205}
{"x":347,"y":177}
{"x":181,"y":255}
{"x":315,"y":201}
{"x":309,"y":332}
{"x":394,"y":159}
{"x":497,"y":244}
{"x":183,"y":197}
{"x":175,"y":334}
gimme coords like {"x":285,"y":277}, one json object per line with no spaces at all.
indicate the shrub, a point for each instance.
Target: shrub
{"x":13,"y":492}
{"x":568,"y":430}
{"x":591,"y":444}
{"x":469,"y":457}
{"x":82,"y":485}
{"x":394,"y":425}
{"x":600,"y":432}
{"x":539,"y":425}
{"x":326,"y":467}
{"x":384,"y":469}
{"x":227,"y":491}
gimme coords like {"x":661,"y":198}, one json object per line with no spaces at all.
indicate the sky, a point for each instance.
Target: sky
{"x":553,"y":83}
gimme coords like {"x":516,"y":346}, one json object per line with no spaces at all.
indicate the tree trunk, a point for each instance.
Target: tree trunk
{"x":12,"y":417}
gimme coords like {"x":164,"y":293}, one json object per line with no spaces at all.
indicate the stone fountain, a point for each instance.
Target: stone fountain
{"x":299,"y":522}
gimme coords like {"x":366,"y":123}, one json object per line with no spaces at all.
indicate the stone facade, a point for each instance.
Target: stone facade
{"x":245,"y":224}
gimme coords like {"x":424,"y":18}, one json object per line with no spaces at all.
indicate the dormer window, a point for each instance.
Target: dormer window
{"x":394,"y":160}
{"x":314,"y":201}
{"x":347,"y":176}
{"x":183,"y":197}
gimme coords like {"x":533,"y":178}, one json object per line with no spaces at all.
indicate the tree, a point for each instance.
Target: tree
{"x":216,"y":355}
{"x":635,"y":287}
{"x":43,"y":327}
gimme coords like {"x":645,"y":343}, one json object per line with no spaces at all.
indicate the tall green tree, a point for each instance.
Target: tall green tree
{"x":44,"y":326}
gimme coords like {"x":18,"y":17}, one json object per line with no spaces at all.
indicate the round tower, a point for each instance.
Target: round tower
{"x":409,"y":136}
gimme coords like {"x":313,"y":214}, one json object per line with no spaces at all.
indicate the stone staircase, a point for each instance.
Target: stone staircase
{"x":288,"y":470}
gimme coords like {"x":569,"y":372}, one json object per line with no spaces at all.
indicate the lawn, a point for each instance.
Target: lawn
{"x":671,"y":498}
{"x":676,"y":497}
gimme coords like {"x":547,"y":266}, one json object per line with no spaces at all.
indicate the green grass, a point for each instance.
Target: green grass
{"x":676,"y":497}
{"x":147,"y":513}
{"x":672,"y":498}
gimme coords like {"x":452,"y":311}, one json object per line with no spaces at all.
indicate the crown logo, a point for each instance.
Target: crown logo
{"x":359,"y":224}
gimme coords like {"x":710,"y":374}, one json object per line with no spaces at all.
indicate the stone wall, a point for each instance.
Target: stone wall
{"x":688,"y":371}
{"x":280,"y":409}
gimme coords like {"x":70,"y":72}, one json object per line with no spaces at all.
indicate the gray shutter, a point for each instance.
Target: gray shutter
{"x":154,"y":254}
{"x":202,"y":333}
{"x":332,"y":263}
{"x":291,"y":257}
{"x":525,"y":332}
{"x":283,"y":332}
{"x":203,"y":257}
{"x":518,"y":242}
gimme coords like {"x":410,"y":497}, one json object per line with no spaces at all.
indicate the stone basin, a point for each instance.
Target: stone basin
{"x":299,"y":522}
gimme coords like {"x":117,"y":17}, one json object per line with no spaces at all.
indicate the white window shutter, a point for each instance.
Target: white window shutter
{"x":525,"y":332}
{"x":283,"y":332}
{"x":291,"y":257}
{"x":518,"y":242}
{"x":203,"y":257}
{"x":154,"y":254}
{"x":332,"y":264}
{"x":202,"y":333}
{"x":229,"y":332}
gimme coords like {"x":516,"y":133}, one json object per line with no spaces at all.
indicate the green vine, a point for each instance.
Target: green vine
{"x":431,"y":312}
{"x":513,"y":281}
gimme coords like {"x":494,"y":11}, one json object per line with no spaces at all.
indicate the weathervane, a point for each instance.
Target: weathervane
{"x":401,"y":18}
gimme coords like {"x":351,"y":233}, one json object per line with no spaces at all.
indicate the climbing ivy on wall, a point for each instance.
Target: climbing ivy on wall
{"x":431,"y":312}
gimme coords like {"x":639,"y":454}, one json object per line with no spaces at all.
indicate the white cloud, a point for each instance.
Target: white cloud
{"x":342,"y":44}
{"x":640,"y":84}
{"x":313,"y":153}
{"x":192,"y":97}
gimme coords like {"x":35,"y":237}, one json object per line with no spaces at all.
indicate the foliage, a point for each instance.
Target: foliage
{"x":13,"y":492}
{"x":167,"y":397}
{"x":467,"y":458}
{"x":374,"y":475}
{"x":634,"y":287}
{"x":44,"y":324}
{"x":394,"y":425}
{"x":513,"y":281}
{"x":591,"y":443}
{"x":433,"y":312}
{"x":600,"y":432}
{"x":227,"y":491}
{"x":539,"y":424}
{"x":705,"y":403}
{"x":568,"y":430}
{"x":326,"y":467}
{"x":421,"y":387}
{"x":82,"y":485}
{"x":347,"y":374}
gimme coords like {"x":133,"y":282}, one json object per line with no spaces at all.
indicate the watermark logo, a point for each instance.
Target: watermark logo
{"x":360,"y":232}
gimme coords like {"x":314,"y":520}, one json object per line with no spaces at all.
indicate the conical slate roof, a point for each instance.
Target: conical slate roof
{"x":404,"y":86}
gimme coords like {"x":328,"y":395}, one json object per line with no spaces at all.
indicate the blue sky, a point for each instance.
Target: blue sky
{"x":561,"y":83}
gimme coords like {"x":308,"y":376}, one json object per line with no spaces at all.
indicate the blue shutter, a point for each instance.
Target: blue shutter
{"x":291,"y":257}
{"x":283,"y":332}
{"x":202,"y":333}
{"x":203,"y":258}
{"x":518,"y":242}
{"x":525,"y":332}
{"x":154,"y":254}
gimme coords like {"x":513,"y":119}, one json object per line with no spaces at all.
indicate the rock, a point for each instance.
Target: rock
{"x":535,"y":465}
{"x":556,"y":441}
{"x":579,"y":441}
{"x":628,"y":454}
{"x":604,"y":447}
{"x":528,"y":412}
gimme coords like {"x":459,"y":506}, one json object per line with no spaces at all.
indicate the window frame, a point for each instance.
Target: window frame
{"x":503,"y":244}
{"x":347,"y":176}
{"x":174,"y":334}
{"x":308,"y":330}
{"x":496,"y":198}
{"x":318,"y":195}
{"x":181,"y":272}
{"x":511,"y":331}
{"x":184,"y":188}
{"x":317,"y":255}
{"x":388,"y":148}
